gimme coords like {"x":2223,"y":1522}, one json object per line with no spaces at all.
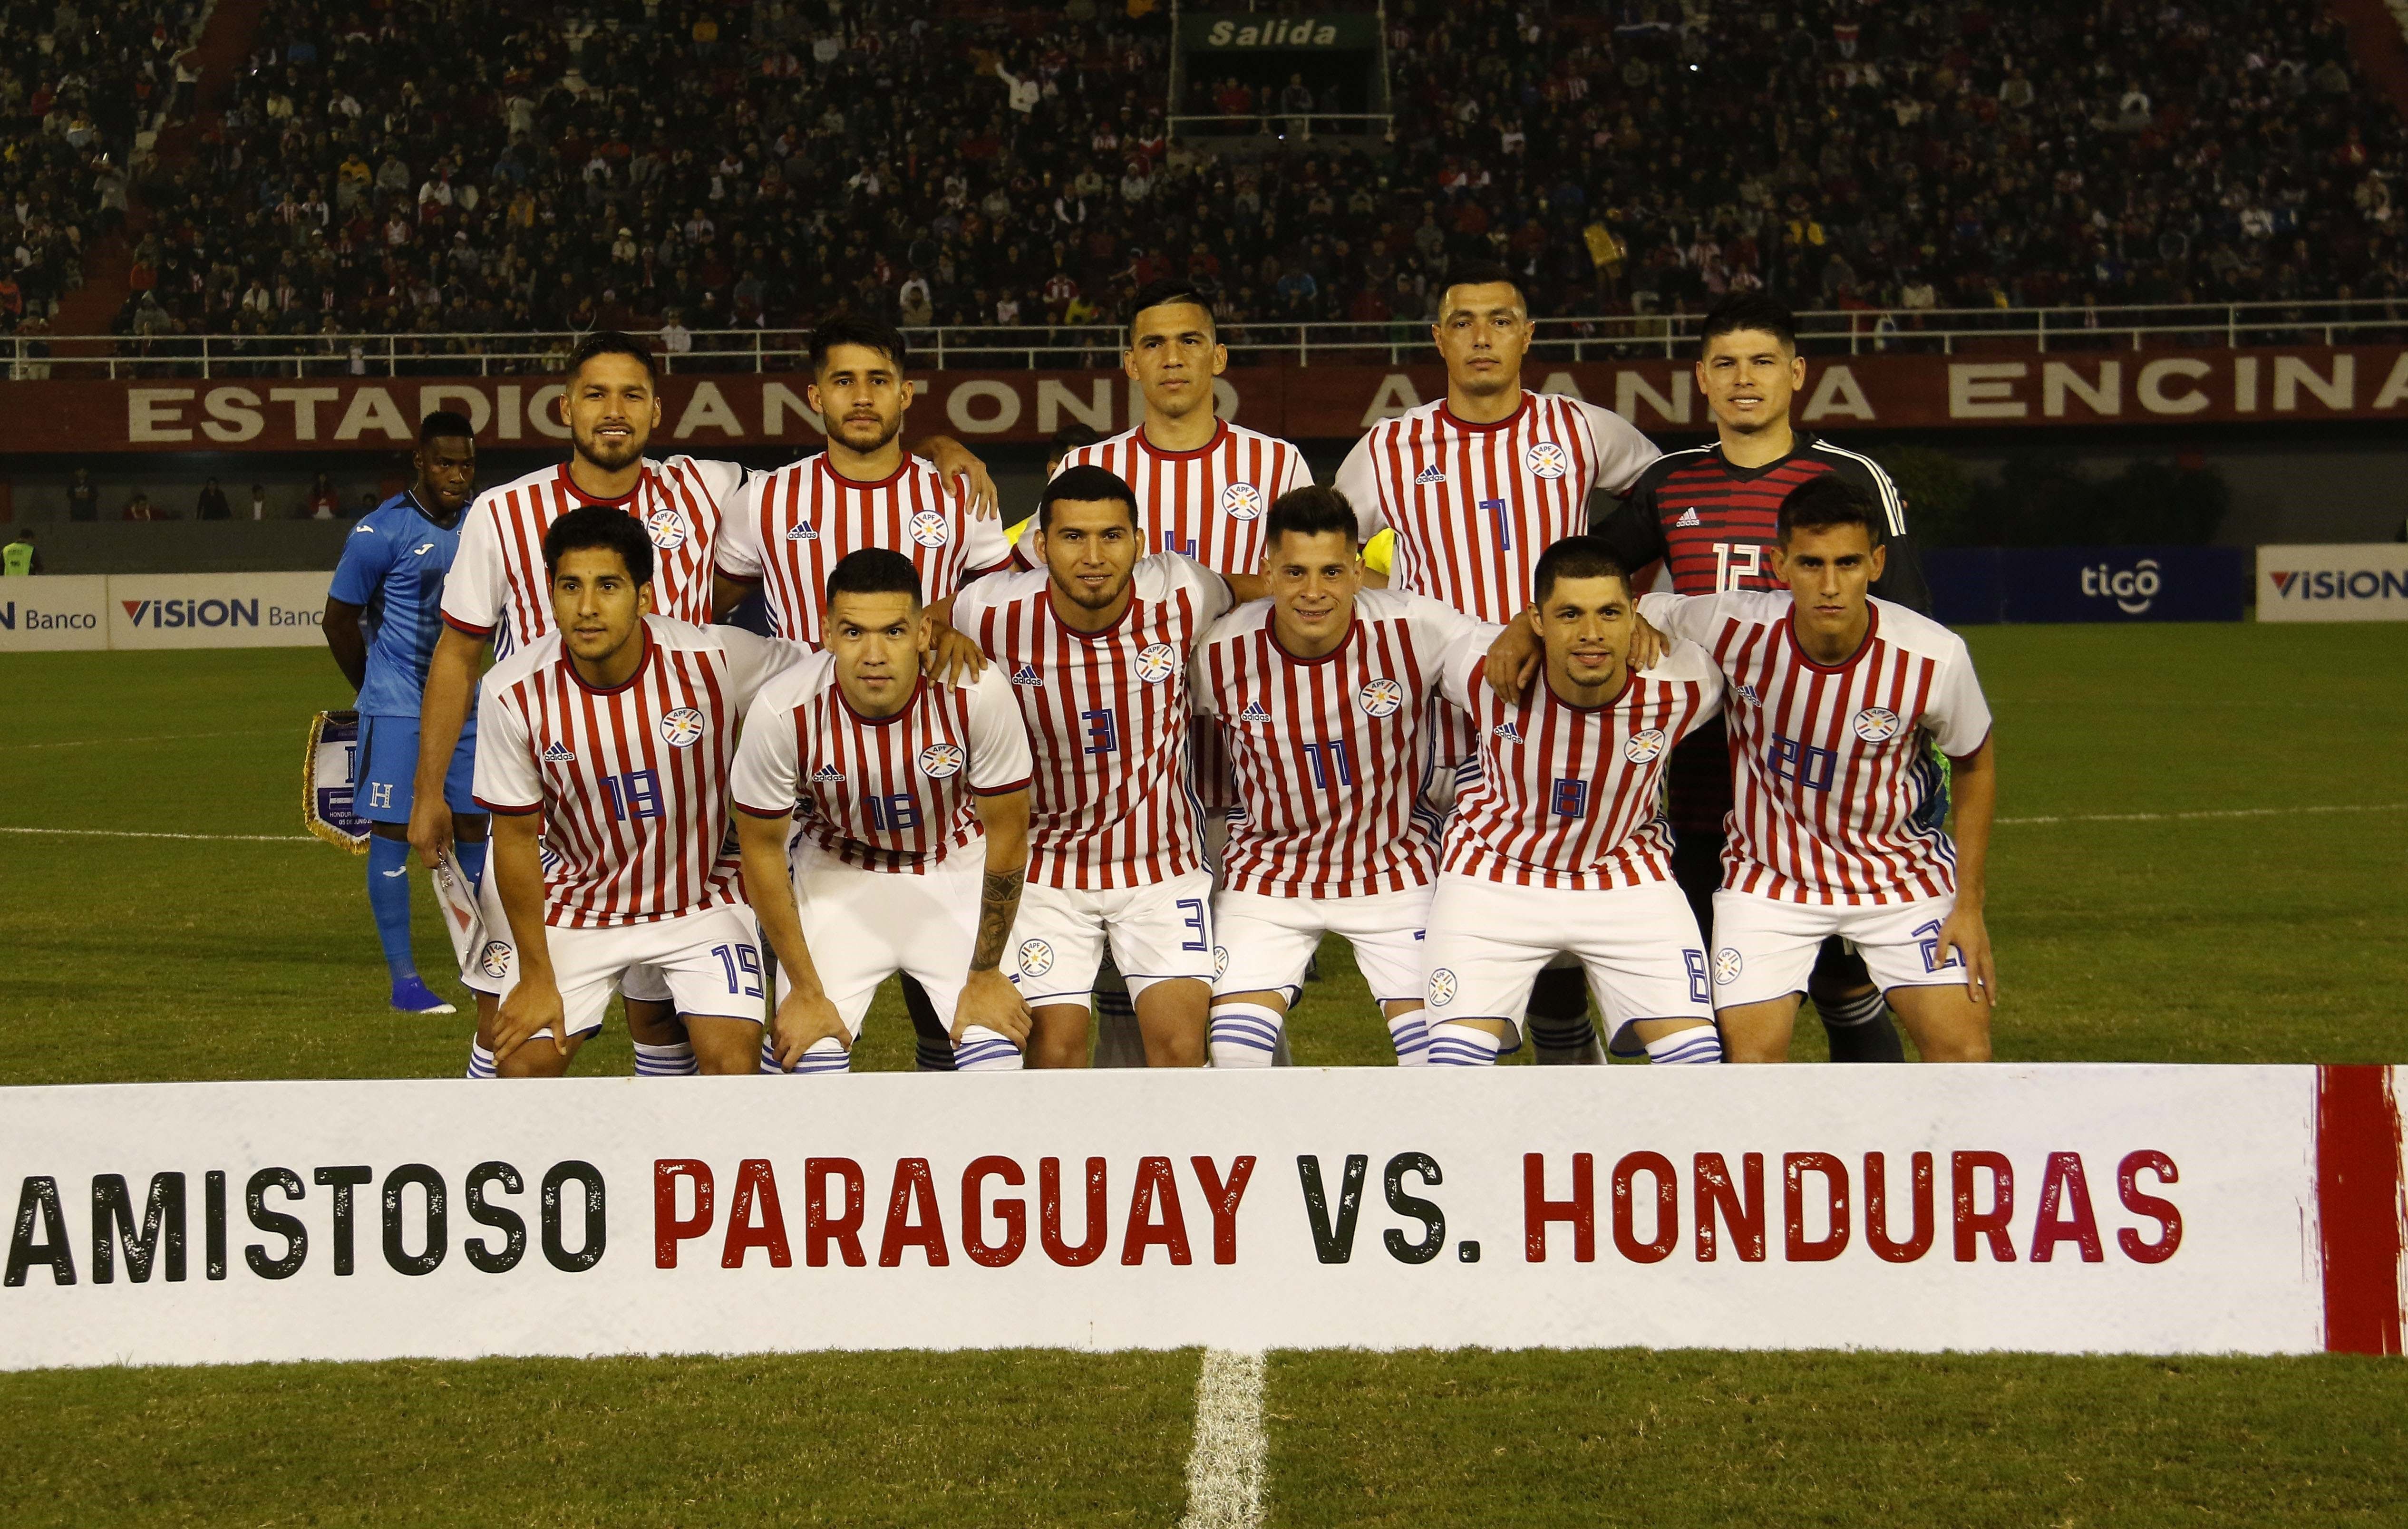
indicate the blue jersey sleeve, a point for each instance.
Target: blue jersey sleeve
{"x":367,"y":557}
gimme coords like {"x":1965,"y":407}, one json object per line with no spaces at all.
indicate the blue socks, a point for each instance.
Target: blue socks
{"x":471,"y":855}
{"x":389,"y":902}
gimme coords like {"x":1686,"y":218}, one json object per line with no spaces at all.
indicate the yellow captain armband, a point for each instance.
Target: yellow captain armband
{"x":1012,"y":533}
{"x":1380,"y":552}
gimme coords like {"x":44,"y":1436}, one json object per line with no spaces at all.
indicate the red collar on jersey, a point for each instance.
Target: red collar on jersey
{"x":568,"y":485}
{"x":1220,"y":434}
{"x":1354,"y":630}
{"x":643,"y":635}
{"x":918,"y":683}
{"x":1873,"y":630}
{"x":901,"y":467}
{"x":1529,"y":402}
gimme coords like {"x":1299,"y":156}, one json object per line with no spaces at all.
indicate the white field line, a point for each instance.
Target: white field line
{"x":1225,"y":1470}
{"x":129,"y":834}
{"x":2220,"y":812}
{"x":102,"y":743}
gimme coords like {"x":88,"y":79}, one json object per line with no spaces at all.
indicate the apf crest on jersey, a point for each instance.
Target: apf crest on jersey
{"x":1380,"y":697}
{"x":1726,"y":965}
{"x":1643,"y":746}
{"x":1156,"y":661}
{"x":665,"y":525}
{"x":1220,"y":962}
{"x":802,"y":530}
{"x":928,"y":528}
{"x":1241,"y":501}
{"x":1546,"y":458}
{"x":494,"y":960}
{"x":559,"y":753}
{"x":1441,"y":987}
{"x":1431,"y":474}
{"x":940,"y":760}
{"x":1036,"y":958}
{"x":681,"y":728}
{"x":1876,"y":724}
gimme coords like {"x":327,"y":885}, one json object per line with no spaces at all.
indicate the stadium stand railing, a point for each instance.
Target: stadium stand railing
{"x":1061,"y":347}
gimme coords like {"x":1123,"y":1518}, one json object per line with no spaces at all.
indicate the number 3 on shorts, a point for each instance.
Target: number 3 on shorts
{"x":1194,"y":909}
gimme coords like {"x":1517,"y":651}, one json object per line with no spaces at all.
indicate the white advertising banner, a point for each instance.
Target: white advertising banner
{"x":2061,"y":1208}
{"x":217,"y":611}
{"x":2361,"y":581}
{"x":47,"y":613}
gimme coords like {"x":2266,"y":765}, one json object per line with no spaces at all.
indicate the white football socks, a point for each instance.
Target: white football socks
{"x":1454,"y":1044}
{"x":1703,"y":1045}
{"x":1246,"y":1035}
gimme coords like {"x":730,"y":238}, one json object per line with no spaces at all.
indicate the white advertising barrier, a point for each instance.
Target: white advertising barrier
{"x":2362,"y":581}
{"x":45,"y":613}
{"x":217,"y":611}
{"x":2062,"y":1208}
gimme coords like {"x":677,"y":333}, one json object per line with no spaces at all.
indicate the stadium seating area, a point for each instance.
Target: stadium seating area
{"x":439,"y":165}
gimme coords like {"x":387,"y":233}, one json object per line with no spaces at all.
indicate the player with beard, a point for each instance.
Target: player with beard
{"x":1475,"y":487}
{"x":1708,"y":514}
{"x":787,"y":530}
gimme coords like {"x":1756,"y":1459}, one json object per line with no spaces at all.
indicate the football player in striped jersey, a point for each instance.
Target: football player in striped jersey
{"x":1836,"y":702}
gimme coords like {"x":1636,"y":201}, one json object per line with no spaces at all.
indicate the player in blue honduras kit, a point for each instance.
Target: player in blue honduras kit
{"x":383,"y":614}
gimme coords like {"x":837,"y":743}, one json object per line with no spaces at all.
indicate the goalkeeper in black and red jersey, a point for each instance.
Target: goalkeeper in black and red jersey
{"x":1707,"y":515}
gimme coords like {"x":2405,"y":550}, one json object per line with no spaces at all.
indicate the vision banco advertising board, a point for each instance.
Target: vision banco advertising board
{"x":2064,"y":1208}
{"x":163,"y":611}
{"x":2366,"y":581}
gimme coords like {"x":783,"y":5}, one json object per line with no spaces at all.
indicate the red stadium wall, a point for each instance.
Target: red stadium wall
{"x":2081,"y":388}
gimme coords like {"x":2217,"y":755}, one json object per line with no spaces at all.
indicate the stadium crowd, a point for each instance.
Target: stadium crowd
{"x":434,"y":166}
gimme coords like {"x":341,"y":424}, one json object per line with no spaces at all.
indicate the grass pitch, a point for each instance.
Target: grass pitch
{"x":2219,"y":877}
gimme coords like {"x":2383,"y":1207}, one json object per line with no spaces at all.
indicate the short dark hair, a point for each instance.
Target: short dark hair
{"x":846,"y":327}
{"x":1575,"y":557}
{"x":443,"y":421}
{"x":1825,"y":501}
{"x":1168,"y":290}
{"x":1313,"y":510}
{"x":1745,"y":310}
{"x":599,"y":525}
{"x":613,"y":342}
{"x":1481,"y":273}
{"x":1085,"y":484}
{"x":874,"y":570}
{"x":1070,"y":437}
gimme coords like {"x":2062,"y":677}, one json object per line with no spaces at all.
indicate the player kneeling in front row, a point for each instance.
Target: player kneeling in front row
{"x":1321,"y":697}
{"x":1560,"y":848}
{"x":1836,"y":699}
{"x":612,"y":737}
{"x":899,"y":776}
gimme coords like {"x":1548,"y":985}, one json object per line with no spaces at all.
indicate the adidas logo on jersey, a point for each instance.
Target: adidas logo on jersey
{"x":801,"y":531}
{"x":1508,"y":732}
{"x":1688,"y":516}
{"x":1431,"y":474}
{"x":1747,"y":692}
{"x":1253,"y":713}
{"x":1026,"y":675}
{"x":826,"y":773}
{"x":559,"y":753}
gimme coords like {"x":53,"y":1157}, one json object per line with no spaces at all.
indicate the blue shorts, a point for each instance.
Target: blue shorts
{"x":387,"y":768}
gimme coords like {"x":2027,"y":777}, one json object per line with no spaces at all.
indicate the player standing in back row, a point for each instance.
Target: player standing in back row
{"x":1204,"y":489}
{"x":1475,"y":487}
{"x":1708,"y":514}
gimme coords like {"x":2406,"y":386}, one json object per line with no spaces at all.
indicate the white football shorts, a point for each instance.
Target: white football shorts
{"x":865,"y":926}
{"x":1265,"y":943}
{"x":709,"y":962}
{"x":1764,"y":946}
{"x":493,"y":961}
{"x":1156,"y":933}
{"x":1488,"y":941}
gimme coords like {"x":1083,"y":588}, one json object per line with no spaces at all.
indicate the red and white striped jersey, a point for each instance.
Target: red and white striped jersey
{"x":497,"y":589}
{"x":1108,"y":719}
{"x":1570,"y":797}
{"x":1474,"y":505}
{"x":882,"y":793}
{"x":1834,"y":789}
{"x":632,"y":781}
{"x":790,"y":528}
{"x":1208,"y":503}
{"x":1330,"y":753}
